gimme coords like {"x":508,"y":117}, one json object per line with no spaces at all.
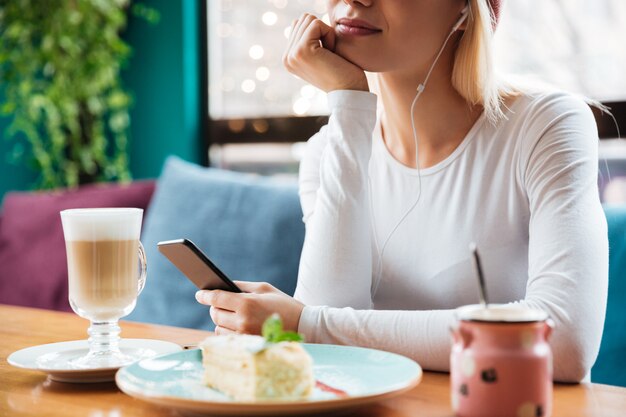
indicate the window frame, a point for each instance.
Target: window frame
{"x":286,"y":129}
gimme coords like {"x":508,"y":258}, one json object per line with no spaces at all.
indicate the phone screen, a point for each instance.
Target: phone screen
{"x":196,"y":266}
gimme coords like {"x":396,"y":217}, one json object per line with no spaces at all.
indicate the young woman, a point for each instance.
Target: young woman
{"x":396,"y":186}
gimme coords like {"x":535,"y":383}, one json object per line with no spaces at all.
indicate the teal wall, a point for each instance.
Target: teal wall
{"x":12,"y":177}
{"x":164,"y":76}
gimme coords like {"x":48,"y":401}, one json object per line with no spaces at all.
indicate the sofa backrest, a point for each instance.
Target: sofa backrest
{"x":610,"y":367}
{"x":249,"y":226}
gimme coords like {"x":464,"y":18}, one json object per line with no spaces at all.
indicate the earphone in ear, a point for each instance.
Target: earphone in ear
{"x":464,"y":14}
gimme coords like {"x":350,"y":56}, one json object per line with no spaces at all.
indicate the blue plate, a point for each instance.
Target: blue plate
{"x":364,"y":375}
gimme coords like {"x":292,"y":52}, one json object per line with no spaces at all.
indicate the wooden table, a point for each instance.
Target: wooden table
{"x":26,"y":393}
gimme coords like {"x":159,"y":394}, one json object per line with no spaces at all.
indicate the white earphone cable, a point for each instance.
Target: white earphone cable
{"x":420,"y":89}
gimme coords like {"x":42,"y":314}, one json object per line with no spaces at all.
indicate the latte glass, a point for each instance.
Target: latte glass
{"x":106,"y":271}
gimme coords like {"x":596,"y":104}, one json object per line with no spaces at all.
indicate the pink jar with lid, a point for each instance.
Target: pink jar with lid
{"x":501,"y":362}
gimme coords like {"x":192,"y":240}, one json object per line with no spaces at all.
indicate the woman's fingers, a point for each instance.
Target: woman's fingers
{"x":247,"y":320}
{"x":292,"y":36}
{"x":256,"y":287}
{"x":295,"y":38}
{"x":318,"y":30}
{"x":311,"y":56}
{"x":221,"y":331}
{"x":245,"y":313}
{"x":225,"y":319}
{"x":328,"y":37}
{"x":221,"y":299}
{"x":305,"y":21}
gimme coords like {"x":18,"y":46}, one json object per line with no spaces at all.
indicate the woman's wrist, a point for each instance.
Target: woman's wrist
{"x":355,"y":85}
{"x":293,"y":321}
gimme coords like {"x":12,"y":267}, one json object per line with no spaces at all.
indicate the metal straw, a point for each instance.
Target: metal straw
{"x":479,"y":273}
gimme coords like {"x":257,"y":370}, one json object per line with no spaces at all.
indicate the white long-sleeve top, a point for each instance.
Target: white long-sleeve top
{"x":525,"y":190}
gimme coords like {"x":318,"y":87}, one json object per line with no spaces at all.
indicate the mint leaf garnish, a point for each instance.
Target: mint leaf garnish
{"x":273,"y":331}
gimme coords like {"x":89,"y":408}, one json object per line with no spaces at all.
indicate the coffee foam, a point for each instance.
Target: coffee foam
{"x":101,"y":224}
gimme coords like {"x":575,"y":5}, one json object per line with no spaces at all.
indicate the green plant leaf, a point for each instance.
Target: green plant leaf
{"x":273,"y":331}
{"x":60,"y":78}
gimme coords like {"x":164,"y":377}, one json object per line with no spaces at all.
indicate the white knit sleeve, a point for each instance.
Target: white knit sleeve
{"x":335,"y":265}
{"x":568,"y":243}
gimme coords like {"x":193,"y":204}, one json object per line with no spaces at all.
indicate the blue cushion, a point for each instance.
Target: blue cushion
{"x":249,"y":226}
{"x":610,"y":367}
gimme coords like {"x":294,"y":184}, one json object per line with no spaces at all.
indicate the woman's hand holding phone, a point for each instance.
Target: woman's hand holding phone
{"x":245,"y":312}
{"x":310,"y":55}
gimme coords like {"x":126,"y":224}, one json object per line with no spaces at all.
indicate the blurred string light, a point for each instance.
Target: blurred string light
{"x":254,"y":84}
{"x":248,"y":86}
{"x":301,"y":106}
{"x":256,"y":52}
{"x":260,"y":126}
{"x":262,"y":73}
{"x":308,"y":91}
{"x":269,"y":18}
{"x":236,"y":125}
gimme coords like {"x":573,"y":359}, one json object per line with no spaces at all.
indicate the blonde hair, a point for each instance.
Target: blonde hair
{"x":473,"y":75}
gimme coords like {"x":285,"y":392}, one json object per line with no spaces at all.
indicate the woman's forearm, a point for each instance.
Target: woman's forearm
{"x":335,"y":266}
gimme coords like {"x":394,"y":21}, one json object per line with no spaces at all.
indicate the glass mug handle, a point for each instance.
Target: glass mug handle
{"x":143,"y":270}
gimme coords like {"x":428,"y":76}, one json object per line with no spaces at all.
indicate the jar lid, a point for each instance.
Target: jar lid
{"x":508,"y":313}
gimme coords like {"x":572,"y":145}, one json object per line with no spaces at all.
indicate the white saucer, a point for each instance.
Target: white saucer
{"x":53,"y":358}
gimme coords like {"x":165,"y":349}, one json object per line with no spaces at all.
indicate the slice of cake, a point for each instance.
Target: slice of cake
{"x":248,"y":368}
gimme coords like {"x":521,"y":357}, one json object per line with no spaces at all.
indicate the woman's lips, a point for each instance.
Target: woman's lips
{"x":355,"y":27}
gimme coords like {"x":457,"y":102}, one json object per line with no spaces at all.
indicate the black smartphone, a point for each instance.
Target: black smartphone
{"x":196,"y":266}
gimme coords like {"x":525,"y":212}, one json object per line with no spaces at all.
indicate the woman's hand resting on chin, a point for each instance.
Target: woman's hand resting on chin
{"x":245,"y":312}
{"x":310,"y":55}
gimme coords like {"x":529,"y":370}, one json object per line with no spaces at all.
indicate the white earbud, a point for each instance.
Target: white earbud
{"x":464,"y":14}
